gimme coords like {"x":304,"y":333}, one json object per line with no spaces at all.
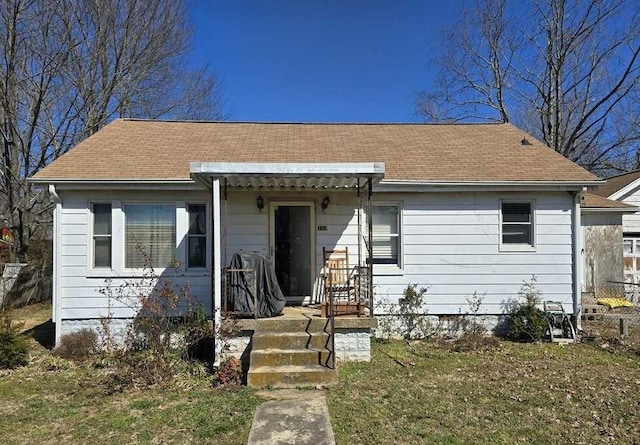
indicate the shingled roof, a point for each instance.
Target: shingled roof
{"x":129,"y":149}
{"x":591,"y":201}
{"x":616,"y":183}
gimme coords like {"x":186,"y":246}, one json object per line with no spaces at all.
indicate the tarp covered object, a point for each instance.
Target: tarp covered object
{"x":261,"y":279}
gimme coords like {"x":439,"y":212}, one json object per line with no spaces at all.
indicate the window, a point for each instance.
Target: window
{"x":517,"y":223}
{"x":197,"y":236}
{"x":631,"y":258}
{"x":150,"y":235}
{"x":386,"y":234}
{"x":101,"y":235}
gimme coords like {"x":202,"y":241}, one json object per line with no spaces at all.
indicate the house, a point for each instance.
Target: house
{"x":602,"y":223}
{"x":625,"y":190}
{"x":457,"y":208}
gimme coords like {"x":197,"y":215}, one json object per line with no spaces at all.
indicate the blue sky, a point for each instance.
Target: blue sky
{"x":320,"y":61}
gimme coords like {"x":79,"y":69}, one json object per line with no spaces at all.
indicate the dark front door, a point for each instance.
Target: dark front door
{"x":292,"y":250}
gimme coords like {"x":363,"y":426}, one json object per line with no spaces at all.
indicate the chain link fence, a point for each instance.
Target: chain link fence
{"x":611,"y":314}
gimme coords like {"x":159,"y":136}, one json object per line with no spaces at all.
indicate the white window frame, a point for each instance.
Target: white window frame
{"x":177,"y":234}
{"x":118,"y":240}
{"x":390,"y":268}
{"x":508,"y":247}
{"x":91,"y":236}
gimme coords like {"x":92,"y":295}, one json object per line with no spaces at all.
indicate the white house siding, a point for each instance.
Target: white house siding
{"x":631,"y":222}
{"x":451,"y":246}
{"x":80,"y":301}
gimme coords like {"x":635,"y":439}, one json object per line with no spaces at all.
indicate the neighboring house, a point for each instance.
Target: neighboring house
{"x":457,"y":208}
{"x":625,"y":189}
{"x":603,"y":242}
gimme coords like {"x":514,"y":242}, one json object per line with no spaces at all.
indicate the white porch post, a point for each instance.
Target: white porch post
{"x":217,"y":264}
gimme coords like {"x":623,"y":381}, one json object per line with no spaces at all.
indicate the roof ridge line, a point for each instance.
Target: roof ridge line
{"x":134,"y":119}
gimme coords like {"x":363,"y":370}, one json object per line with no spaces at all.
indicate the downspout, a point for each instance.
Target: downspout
{"x":57,"y":244}
{"x":577,"y":259}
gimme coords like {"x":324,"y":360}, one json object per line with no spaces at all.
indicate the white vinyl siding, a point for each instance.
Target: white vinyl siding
{"x":451,"y":244}
{"x":150,"y":235}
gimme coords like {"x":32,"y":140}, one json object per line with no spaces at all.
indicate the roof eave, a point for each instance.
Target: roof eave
{"x":609,"y":209}
{"x":436,"y":186}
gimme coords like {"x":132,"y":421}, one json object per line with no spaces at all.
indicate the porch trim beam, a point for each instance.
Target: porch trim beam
{"x":289,"y":170}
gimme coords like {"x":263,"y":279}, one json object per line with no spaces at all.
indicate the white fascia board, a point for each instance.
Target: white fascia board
{"x":265,"y":169}
{"x":443,"y":186}
{"x":627,"y":189}
{"x":120,"y":184}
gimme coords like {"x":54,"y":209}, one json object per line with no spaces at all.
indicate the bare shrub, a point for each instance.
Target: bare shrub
{"x":229,"y":373}
{"x":409,"y":318}
{"x":77,"y":346}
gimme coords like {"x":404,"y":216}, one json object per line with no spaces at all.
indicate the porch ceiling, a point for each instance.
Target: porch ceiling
{"x":289,"y":175}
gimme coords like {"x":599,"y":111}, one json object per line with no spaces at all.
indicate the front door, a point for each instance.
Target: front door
{"x":292,"y":247}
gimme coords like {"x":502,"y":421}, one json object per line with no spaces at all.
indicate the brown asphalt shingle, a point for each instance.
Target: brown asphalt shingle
{"x":616,"y":183}
{"x":591,"y":201}
{"x":147,"y":149}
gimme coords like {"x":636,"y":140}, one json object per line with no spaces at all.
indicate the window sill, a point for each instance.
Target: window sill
{"x":139,"y":273}
{"x":387,"y":270}
{"x":525,"y":248}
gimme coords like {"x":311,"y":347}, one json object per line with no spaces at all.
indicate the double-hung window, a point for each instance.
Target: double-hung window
{"x":517,"y":224}
{"x":101,"y":235}
{"x":386,"y":234}
{"x":150,"y":235}
{"x":197,"y":236}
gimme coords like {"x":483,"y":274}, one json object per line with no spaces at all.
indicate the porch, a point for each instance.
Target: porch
{"x":312,"y":226}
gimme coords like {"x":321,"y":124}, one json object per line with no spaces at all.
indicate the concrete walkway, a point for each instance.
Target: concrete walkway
{"x":294,"y":417}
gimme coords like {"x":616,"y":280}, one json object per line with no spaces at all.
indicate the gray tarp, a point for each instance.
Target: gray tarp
{"x":261,"y":279}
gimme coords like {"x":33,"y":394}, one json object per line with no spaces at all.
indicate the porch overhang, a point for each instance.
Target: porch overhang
{"x":314,"y":175}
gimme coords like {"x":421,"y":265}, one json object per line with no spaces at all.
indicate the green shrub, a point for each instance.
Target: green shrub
{"x":525,"y":321}
{"x":78,"y":346}
{"x":14,"y":347}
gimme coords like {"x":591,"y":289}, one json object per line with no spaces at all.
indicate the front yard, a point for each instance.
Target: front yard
{"x":409,"y":394}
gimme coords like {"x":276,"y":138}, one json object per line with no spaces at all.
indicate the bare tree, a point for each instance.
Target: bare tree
{"x":68,"y":67}
{"x":567,"y":71}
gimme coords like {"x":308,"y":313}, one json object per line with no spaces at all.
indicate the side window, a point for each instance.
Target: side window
{"x":197,"y":236}
{"x":517,"y":223}
{"x":101,"y":235}
{"x":386,"y":234}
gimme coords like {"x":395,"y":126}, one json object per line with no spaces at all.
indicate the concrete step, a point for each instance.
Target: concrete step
{"x":289,"y":340}
{"x":289,"y":325}
{"x":283,"y":357}
{"x":291,"y":376}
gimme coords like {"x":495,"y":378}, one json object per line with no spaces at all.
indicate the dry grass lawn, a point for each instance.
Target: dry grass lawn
{"x":515,"y":393}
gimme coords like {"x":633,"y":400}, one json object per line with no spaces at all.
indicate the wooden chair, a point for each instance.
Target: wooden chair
{"x":338,"y":283}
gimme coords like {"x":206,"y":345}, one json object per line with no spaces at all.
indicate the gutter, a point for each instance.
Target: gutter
{"x":610,"y":209}
{"x":577,"y":252}
{"x":56,"y":316}
{"x":436,"y":186}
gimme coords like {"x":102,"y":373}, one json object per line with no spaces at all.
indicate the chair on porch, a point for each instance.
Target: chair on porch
{"x":338,"y":283}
